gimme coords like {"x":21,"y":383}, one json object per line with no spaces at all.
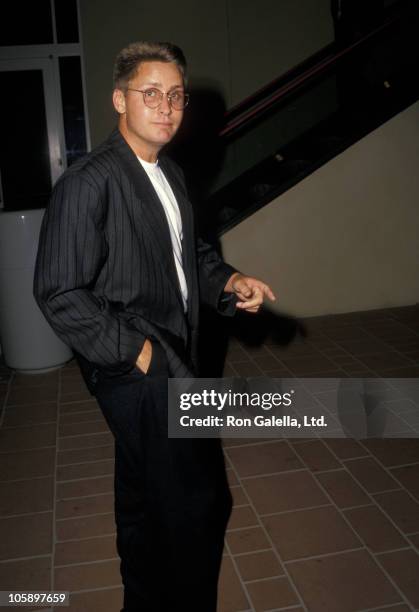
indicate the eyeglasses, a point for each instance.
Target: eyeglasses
{"x":153,"y":97}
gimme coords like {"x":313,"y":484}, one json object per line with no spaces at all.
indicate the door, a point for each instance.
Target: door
{"x":30,"y":152}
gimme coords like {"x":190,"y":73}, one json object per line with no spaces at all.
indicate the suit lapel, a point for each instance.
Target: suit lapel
{"x":151,"y":211}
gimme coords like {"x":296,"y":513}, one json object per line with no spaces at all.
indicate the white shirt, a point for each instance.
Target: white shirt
{"x":174,"y":220}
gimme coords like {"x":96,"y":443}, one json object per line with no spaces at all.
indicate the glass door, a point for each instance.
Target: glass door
{"x":30,"y":157}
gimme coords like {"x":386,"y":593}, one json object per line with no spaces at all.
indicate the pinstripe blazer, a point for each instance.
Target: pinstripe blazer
{"x":105,"y":276}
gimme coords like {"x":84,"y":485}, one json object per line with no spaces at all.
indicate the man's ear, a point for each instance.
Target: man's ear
{"x":118,"y":99}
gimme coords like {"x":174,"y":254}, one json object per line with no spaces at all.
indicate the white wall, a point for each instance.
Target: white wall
{"x":347,"y":237}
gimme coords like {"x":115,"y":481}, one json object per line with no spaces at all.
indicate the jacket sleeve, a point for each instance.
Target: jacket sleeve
{"x":72,"y":251}
{"x":213,"y":274}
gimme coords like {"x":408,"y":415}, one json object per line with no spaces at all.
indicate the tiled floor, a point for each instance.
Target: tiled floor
{"x":318,"y":525}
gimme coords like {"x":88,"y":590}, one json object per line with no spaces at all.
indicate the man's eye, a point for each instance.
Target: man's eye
{"x":176,"y":96}
{"x":151,"y":93}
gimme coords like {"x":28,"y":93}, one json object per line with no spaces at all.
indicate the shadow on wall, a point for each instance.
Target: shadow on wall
{"x":200,"y":152}
{"x":198,"y":149}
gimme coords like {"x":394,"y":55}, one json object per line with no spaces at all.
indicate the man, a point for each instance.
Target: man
{"x":119,"y":275}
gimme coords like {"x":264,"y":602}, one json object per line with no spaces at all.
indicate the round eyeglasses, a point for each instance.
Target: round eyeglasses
{"x":153,"y":97}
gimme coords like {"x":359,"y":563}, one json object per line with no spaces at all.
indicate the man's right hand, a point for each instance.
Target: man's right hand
{"x":144,"y":358}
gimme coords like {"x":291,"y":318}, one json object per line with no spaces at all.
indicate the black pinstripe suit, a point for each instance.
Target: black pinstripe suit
{"x":106,"y":280}
{"x":105,"y":275}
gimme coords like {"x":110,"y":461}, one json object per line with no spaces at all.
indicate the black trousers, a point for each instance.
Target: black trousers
{"x":172,"y":501}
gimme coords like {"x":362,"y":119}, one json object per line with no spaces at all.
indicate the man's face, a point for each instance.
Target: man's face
{"x":149,"y":129}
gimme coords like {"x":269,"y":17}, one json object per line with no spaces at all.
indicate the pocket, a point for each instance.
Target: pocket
{"x":106,"y":382}
{"x":159,"y":365}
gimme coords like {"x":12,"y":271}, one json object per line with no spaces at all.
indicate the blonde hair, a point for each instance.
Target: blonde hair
{"x":129,"y":58}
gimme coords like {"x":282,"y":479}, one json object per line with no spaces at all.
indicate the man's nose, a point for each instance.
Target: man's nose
{"x":165,"y":107}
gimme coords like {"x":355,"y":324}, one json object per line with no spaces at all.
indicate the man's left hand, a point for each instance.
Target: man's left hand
{"x":250,"y":291}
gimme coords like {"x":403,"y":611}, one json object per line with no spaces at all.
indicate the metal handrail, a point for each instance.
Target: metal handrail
{"x":295,"y":82}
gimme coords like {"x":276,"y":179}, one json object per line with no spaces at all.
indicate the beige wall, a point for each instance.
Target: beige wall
{"x":233,"y":46}
{"x":345,"y":238}
{"x":268,"y":37}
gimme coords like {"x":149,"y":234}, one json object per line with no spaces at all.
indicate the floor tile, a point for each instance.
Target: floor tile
{"x":345,"y":333}
{"x":310,"y":532}
{"x":393,"y":452}
{"x":405,"y":372}
{"x":307,"y":366}
{"x":83,"y":506}
{"x":242,"y":517}
{"x":289,"y":491}
{"x":375,"y":529}
{"x":72,"y":384}
{"x":87,"y":576}
{"x":81,"y":417}
{"x":81,"y":488}
{"x":385,"y":360}
{"x":75,"y":396}
{"x":411,"y":417}
{"x":401,"y":508}
{"x":236,"y":353}
{"x":308,"y":521}
{"x":25,"y":438}
{"x":239,"y":496}
{"x":247,"y":540}
{"x":235,"y":442}
{"x":408,"y":476}
{"x":371,"y":475}
{"x":345,"y":360}
{"x":89,"y":427}
{"x":363,"y":347}
{"x":16,"y":416}
{"x":403,"y":567}
{"x":77,"y":407}
{"x":85,"y":441}
{"x":82,"y":551}
{"x":258,"y":565}
{"x":26,"y":496}
{"x":342,"y":488}
{"x":295,"y":351}
{"x":85,"y":470}
{"x":228,"y":371}
{"x":231,"y":595}
{"x":26,"y":536}
{"x":344,"y":582}
{"x":278,"y":372}
{"x":27,"y":464}
{"x":414,"y":539}
{"x":247,"y":368}
{"x":317,"y":456}
{"x":346,"y":448}
{"x":231,"y":477}
{"x":396,"y":608}
{"x":263,"y":458}
{"x":32,"y":395}
{"x":85,"y":527}
{"x":105,"y":600}
{"x":266,"y":361}
{"x":83,"y":455}
{"x":28,"y":574}
{"x":36,"y":380}
{"x":272,"y":593}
